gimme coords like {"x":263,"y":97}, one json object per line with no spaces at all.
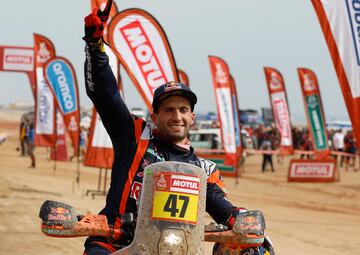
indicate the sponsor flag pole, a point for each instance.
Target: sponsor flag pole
{"x":314,"y":112}
{"x":280,"y":109}
{"x":222,"y":88}
{"x":44,"y":102}
{"x":340,"y":25}
{"x":61,"y":78}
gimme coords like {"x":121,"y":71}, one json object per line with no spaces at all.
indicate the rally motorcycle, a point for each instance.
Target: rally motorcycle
{"x":170,"y":220}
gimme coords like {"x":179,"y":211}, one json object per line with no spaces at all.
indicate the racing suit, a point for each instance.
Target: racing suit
{"x":136,"y":146}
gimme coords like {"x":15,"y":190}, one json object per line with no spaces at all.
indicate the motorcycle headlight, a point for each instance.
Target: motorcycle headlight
{"x":173,"y":242}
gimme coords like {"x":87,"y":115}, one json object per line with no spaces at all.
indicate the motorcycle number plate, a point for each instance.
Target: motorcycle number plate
{"x":176,"y":198}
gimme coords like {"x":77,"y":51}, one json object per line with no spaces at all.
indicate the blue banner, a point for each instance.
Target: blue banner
{"x":62,"y":81}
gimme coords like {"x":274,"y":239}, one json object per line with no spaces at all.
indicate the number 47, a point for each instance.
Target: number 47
{"x":172,"y":207}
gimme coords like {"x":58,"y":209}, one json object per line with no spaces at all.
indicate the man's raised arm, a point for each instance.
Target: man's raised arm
{"x":101,"y":85}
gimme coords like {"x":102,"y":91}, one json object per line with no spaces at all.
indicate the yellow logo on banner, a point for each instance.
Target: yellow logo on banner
{"x":175,"y":206}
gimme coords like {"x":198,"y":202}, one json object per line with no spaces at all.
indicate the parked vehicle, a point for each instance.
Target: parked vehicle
{"x":211,"y":139}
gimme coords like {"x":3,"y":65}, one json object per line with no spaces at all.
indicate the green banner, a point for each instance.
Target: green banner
{"x":317,"y":122}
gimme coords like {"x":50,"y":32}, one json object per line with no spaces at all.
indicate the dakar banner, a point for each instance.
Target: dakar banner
{"x":340,"y":23}
{"x":143,"y":49}
{"x":99,"y":151}
{"x":60,"y":76}
{"x":314,"y":112}
{"x":222,"y":88}
{"x":280,"y":109}
{"x":18,"y":59}
{"x":184,"y":78}
{"x":44,"y":103}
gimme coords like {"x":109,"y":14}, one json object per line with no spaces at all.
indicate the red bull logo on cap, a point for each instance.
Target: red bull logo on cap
{"x":172,"y":85}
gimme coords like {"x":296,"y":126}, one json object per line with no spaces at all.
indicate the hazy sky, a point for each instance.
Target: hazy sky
{"x":284,"y":34}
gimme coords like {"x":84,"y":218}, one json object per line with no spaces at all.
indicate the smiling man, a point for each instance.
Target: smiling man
{"x":136,"y":144}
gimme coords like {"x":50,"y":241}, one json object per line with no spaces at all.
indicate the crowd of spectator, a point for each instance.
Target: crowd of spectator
{"x":338,"y":141}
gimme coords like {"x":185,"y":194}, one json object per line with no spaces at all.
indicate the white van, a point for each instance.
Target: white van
{"x":210,"y":138}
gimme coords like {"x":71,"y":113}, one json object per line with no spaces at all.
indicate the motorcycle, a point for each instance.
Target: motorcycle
{"x":170,"y":220}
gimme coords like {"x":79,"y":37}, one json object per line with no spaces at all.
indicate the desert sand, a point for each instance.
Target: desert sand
{"x":301,"y":218}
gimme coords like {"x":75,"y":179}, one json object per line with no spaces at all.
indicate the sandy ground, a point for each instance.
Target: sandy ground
{"x":302,"y":218}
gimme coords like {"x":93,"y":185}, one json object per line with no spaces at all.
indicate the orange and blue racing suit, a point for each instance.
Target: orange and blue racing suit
{"x":136,"y":146}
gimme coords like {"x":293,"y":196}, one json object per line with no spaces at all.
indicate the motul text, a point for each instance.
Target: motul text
{"x":144,"y":54}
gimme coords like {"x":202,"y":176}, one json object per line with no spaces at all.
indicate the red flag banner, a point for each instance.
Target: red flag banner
{"x":99,"y":152}
{"x":280,"y":109}
{"x":143,"y":49}
{"x":222,"y":88}
{"x":314,"y":112}
{"x":44,"y":103}
{"x":339,"y":21}
{"x":60,"y":77}
{"x":184,"y":78}
{"x":18,"y":59}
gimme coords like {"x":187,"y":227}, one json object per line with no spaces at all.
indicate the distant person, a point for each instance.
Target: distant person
{"x":350,"y":147}
{"x":83,"y":141}
{"x":306,"y":144}
{"x":22,"y":137}
{"x":267,"y":156}
{"x":30,"y":133}
{"x":338,"y":144}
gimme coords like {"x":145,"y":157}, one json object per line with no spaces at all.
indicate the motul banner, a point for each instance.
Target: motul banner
{"x":99,"y":152}
{"x":222,"y":88}
{"x":18,"y":59}
{"x":143,"y":49}
{"x":314,"y":112}
{"x":280,"y":109}
{"x":184,"y":78}
{"x":313,"y":171}
{"x":61,"y":78}
{"x":235,"y":104}
{"x":44,"y":103}
{"x":60,"y":152}
{"x":340,"y":22}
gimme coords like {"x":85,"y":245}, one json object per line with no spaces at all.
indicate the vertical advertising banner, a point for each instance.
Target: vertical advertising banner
{"x":340,"y":23}
{"x":44,"y":103}
{"x":184,"y":78}
{"x":18,"y":59}
{"x":314,"y":112}
{"x":143,"y":49}
{"x":60,"y":76}
{"x":222,"y":88}
{"x":280,"y":109}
